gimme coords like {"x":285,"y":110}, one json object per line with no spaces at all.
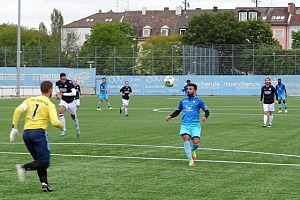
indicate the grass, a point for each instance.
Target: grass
{"x":137,"y":168}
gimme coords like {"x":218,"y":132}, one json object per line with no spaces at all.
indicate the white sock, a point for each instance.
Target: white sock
{"x":122,"y":107}
{"x":126,"y":111}
{"x":270,"y":119}
{"x":76,"y":123}
{"x":265,"y":119}
{"x":63,"y":121}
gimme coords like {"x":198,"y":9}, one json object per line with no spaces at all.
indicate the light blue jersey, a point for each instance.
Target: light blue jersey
{"x":280,"y":91}
{"x":190,"y":108}
{"x":185,"y":90}
{"x":103,"y":93}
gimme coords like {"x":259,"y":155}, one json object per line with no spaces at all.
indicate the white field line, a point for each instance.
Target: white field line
{"x":163,"y":159}
{"x":165,"y":147}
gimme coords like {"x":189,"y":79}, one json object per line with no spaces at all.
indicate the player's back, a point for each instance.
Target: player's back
{"x":37,"y":112}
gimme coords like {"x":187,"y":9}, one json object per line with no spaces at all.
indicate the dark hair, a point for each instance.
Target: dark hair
{"x":188,"y":81}
{"x":62,"y":74}
{"x":103,"y":78}
{"x":192,"y":85}
{"x":46,"y":86}
{"x":279,"y":79}
{"x":126,"y":81}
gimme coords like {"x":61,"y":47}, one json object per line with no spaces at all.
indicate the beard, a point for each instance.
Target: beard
{"x":190,"y":95}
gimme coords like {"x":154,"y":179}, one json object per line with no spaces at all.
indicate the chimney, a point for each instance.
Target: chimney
{"x":215,"y":9}
{"x":292,"y":8}
{"x":178,"y":11}
{"x":144,"y":10}
{"x":100,"y":11}
{"x":166,"y":8}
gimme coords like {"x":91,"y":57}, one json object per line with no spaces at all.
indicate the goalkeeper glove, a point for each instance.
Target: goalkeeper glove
{"x":13,"y":134}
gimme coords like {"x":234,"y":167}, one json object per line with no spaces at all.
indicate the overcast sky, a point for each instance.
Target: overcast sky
{"x":36,"y":11}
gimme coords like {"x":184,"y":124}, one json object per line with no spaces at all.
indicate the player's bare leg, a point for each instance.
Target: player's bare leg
{"x":187,"y":148}
{"x":61,"y":112}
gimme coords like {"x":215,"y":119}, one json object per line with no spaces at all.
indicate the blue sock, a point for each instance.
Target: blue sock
{"x":187,"y":149}
{"x":279,"y":106}
{"x":195,"y":146}
{"x":285,"y":106}
{"x":108,"y":104}
{"x":99,"y":104}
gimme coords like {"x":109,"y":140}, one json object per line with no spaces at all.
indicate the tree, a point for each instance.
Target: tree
{"x":57,"y":22}
{"x":214,"y":28}
{"x":43,"y":28}
{"x":296,"y":39}
{"x":69,"y":40}
{"x":112,"y":44}
{"x":160,"y":55}
{"x":258,"y":32}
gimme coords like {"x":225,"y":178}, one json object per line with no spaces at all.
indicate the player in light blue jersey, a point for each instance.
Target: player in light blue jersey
{"x":190,"y":125}
{"x":282,"y":94}
{"x":185,"y":88}
{"x":103,"y":95}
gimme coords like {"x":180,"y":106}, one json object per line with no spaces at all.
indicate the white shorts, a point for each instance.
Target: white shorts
{"x":125,"y":102}
{"x":269,"y":107}
{"x":77,"y":102}
{"x":71,"y":107}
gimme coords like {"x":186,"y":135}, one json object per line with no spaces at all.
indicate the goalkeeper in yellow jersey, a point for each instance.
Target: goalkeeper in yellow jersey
{"x":39,"y":110}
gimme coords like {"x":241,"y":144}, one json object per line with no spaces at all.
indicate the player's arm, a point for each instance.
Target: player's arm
{"x":276,"y":94}
{"x":175,"y":113}
{"x":53,"y":117}
{"x":57,"y":91}
{"x":72,"y":93}
{"x":261,"y":95}
{"x":206,"y":115}
{"x":130,"y":91}
{"x":16,"y":117}
{"x":285,"y":92}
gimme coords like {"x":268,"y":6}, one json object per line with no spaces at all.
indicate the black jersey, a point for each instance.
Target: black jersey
{"x":78,"y":91}
{"x":126,"y":91}
{"x":268,"y":93}
{"x":66,"y":88}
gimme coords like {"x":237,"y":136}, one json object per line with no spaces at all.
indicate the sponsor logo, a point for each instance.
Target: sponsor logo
{"x":80,"y":77}
{"x":154,"y":79}
{"x":115,"y":79}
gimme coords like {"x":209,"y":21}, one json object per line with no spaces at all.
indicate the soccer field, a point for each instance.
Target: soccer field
{"x":142,"y":156}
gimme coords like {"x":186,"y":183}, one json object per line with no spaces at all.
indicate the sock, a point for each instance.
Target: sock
{"x":270,"y":119}
{"x":108,"y":104}
{"x":99,"y":104}
{"x":122,"y":107}
{"x":265,"y":118}
{"x":285,"y":106}
{"x":279,"y":106}
{"x":187,"y":149}
{"x":62,"y":119}
{"x":76,"y":123}
{"x":34,"y":165}
{"x":42,"y":173}
{"x":126,"y":111}
{"x":195,"y":146}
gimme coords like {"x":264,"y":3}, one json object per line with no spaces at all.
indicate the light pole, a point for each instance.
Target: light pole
{"x":19,"y":48}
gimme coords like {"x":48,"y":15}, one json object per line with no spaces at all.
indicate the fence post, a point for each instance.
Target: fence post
{"x":295,"y":60}
{"x":232,"y":59}
{"x":5,"y":57}
{"x":77,"y":58}
{"x":114,"y":60}
{"x":58,"y":49}
{"x":41,"y":57}
{"x":96,"y":50}
{"x":152,"y":60}
{"x":274,"y":62}
{"x":23,"y":55}
{"x":133,"y":58}
{"x":172,"y":59}
{"x":183,"y":59}
{"x":253,"y":59}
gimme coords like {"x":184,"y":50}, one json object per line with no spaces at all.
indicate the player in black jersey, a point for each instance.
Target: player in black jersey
{"x":126,"y":92}
{"x":78,"y":93}
{"x":66,"y":91}
{"x":268,"y":92}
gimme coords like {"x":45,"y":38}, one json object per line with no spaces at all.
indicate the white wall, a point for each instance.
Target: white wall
{"x":290,"y":29}
{"x":82,"y":32}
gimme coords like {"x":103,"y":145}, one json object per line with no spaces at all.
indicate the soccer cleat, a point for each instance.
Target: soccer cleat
{"x":126,"y":115}
{"x":120,"y":110}
{"x":279,"y":111}
{"x":194,"y":155}
{"x":264,"y":125}
{"x":99,"y":109}
{"x":63,"y":134}
{"x":46,"y":188}
{"x":78,"y":133}
{"x":110,"y":108}
{"x":21,"y":172}
{"x":285,"y":111}
{"x":191,"y":163}
{"x":270,"y":125}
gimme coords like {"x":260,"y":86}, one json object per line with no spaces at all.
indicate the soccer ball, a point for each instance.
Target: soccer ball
{"x":169,"y":81}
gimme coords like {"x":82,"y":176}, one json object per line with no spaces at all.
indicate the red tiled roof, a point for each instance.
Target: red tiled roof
{"x":295,"y":20}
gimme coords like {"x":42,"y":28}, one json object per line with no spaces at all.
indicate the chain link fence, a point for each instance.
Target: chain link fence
{"x":162,"y":60}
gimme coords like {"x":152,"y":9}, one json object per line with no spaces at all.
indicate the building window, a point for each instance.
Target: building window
{"x":86,"y":36}
{"x":252,"y":16}
{"x":242,"y":16}
{"x":164,"y":31}
{"x":182,"y":31}
{"x":278,"y":33}
{"x":146,"y":31}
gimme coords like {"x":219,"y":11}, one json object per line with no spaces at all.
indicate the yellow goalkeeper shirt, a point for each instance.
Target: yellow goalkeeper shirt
{"x":39,"y":110}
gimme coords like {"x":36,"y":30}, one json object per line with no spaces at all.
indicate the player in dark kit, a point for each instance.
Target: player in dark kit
{"x":267,"y":93}
{"x":126,"y":92}
{"x":66,"y":91}
{"x":78,"y":93}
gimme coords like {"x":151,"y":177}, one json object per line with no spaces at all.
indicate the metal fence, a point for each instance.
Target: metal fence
{"x":154,"y":60}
